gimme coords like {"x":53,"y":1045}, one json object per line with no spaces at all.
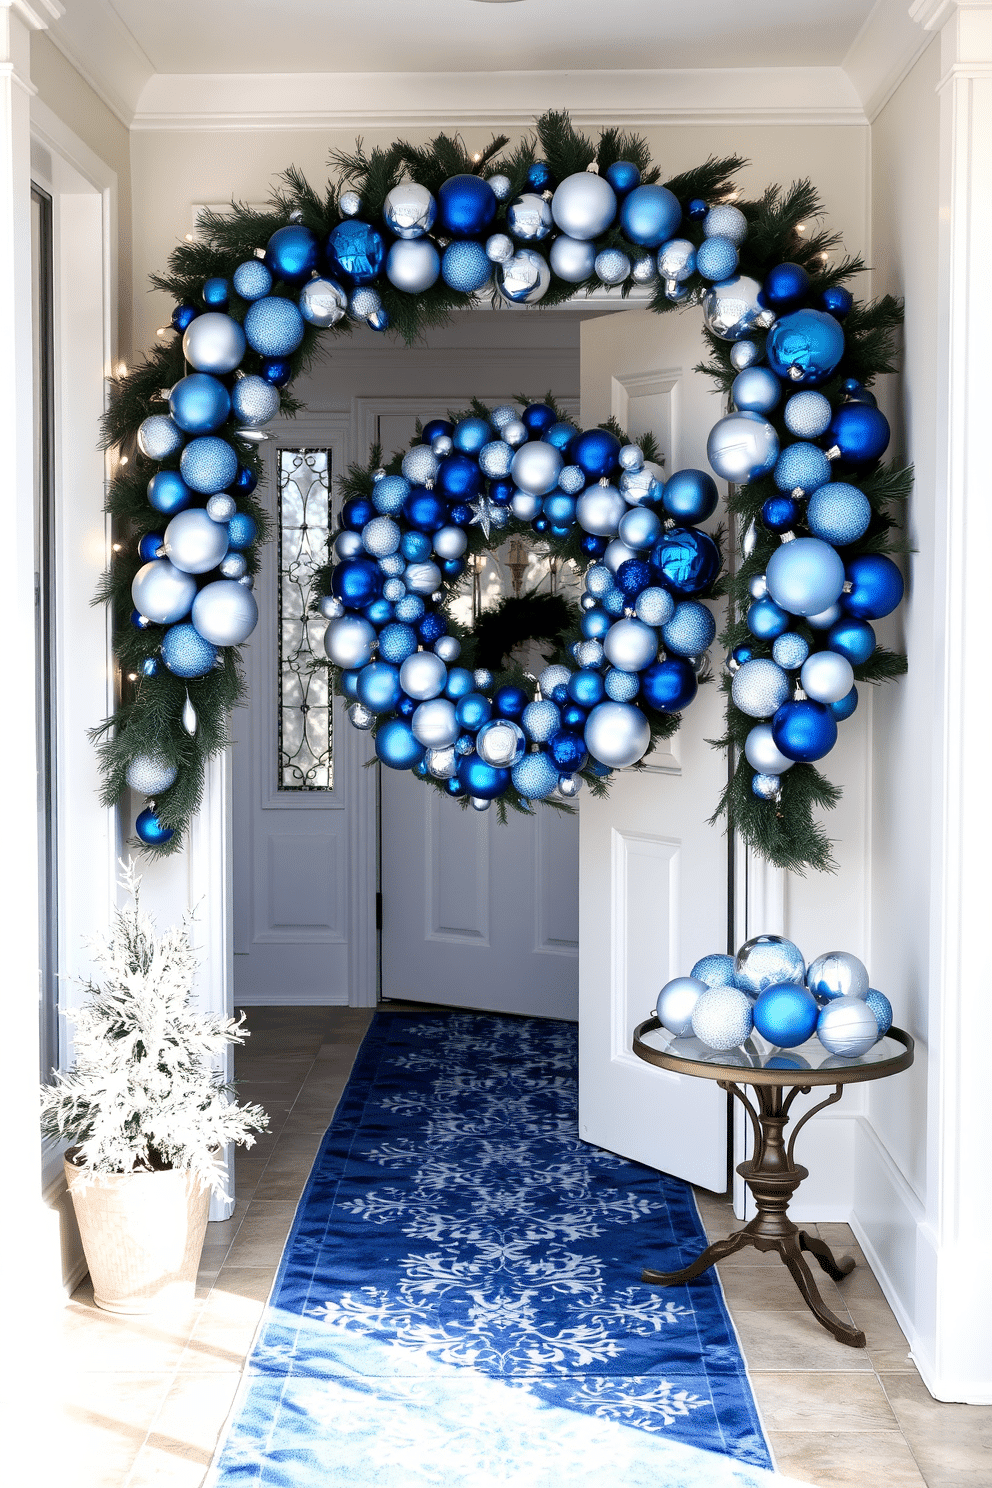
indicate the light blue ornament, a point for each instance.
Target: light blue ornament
{"x":161,"y":592}
{"x":252,"y":280}
{"x":465,"y":267}
{"x":186,"y":653}
{"x":599,"y":580}
{"x":640,"y":528}
{"x":414,"y":266}
{"x":726,"y":221}
{"x":540,"y":720}
{"x":274,"y":327}
{"x":572,"y":259}
{"x":805,"y":347}
{"x":790,"y":651}
{"x":622,"y":686}
{"x":801,"y":468}
{"x":847,"y":1027}
{"x":208,"y":464}
{"x":767,"y":960}
{"x":760,"y":687}
{"x":389,"y":493}
{"x":756,"y":390}
{"x":159,"y":437}
{"x":396,"y":746}
{"x":827,"y":677}
{"x":649,"y":215}
{"x":676,"y":1004}
{"x":168,"y":492}
{"x":536,"y":776}
{"x":716,"y":258}
{"x":763,"y":754}
{"x":410,"y":609}
{"x":722,"y":1018}
{"x":254,"y":400}
{"x":612,"y":266}
{"x":766,"y":620}
{"x":691,"y":630}
{"x":742,"y":447}
{"x":199,"y":403}
{"x":808,"y":415}
{"x":805,"y":576}
{"x":716,"y":971}
{"x":397,"y":642}
{"x":882,"y":1008}
{"x":655,"y":606}
{"x":838,"y":513}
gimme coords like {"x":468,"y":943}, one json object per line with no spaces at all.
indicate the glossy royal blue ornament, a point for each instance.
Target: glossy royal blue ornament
{"x":168,"y":492}
{"x":241,"y":531}
{"x":568,"y":750}
{"x":877,"y":586}
{"x":854,"y":639}
{"x":766,"y":620}
{"x":845,"y":706}
{"x":150,"y":830}
{"x":356,"y":582}
{"x":688,"y":561}
{"x":199,"y":403}
{"x":669,"y":686}
{"x":182,"y":316}
{"x":215,"y":293}
{"x":837,"y":301}
{"x":786,"y":286}
{"x":690,"y":496}
{"x":292,"y":253}
{"x":466,"y":206}
{"x":786,"y":1014}
{"x":804,"y":731}
{"x":596,"y":452}
{"x":150,"y":546}
{"x":355,"y":251}
{"x":858,"y":434}
{"x":780,"y":513}
{"x":478,"y":779}
{"x":623,"y":176}
{"x":804,"y":348}
{"x":649,"y":215}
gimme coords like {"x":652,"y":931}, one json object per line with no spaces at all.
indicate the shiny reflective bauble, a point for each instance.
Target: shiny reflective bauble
{"x":731,"y":308}
{"x":199,"y":403}
{"x":434,"y":723}
{"x":854,"y":639}
{"x":465,"y":267}
{"x":322,"y":302}
{"x":756,"y":390}
{"x":623,"y":175}
{"x":716,"y":970}
{"x":655,"y":606}
{"x":524,"y":279}
{"x":766,"y":787}
{"x":669,"y":686}
{"x":631,"y":645}
{"x":186,"y":653}
{"x":349,"y":642}
{"x":786,"y":1014}
{"x":214,"y":343}
{"x":766,"y":620}
{"x":355,"y":252}
{"x":360,"y":717}
{"x":691,"y":630}
{"x":767,"y":960}
{"x":586,"y":687}
{"x":650,"y":215}
{"x":743,"y":354}
{"x":254,"y":400}
{"x":612,"y":266}
{"x":356,"y":582}
{"x":805,"y":731}
{"x":837,"y":974}
{"x":396,"y":746}
{"x":161,"y":592}
{"x":499,"y":248}
{"x":501,"y":742}
{"x":194,"y":542}
{"x":845,"y":706}
{"x":150,"y":830}
{"x":716,"y":259}
{"x":423,"y":675}
{"x":805,"y":576}
{"x":805,"y":347}
{"x":640,"y":528}
{"x":409,"y":210}
{"x":676,"y":1002}
{"x":790,"y":651}
{"x":596,"y":452}
{"x":688,"y":560}
{"x":347,"y":545}
{"x":569,"y":786}
{"x":568,"y":750}
{"x":536,"y":466}
{"x":159,"y":437}
{"x":481,"y":780}
{"x":882,"y":1008}
{"x":528,"y":218}
{"x":722,"y":1018}
{"x":466,"y":208}
{"x":877,"y":586}
{"x":378,"y":687}
{"x":215,"y":293}
{"x":150,"y":546}
{"x":617,"y":734}
{"x":759,"y":688}
{"x":826,"y":677}
{"x":801,"y":467}
{"x":277,"y":370}
{"x":859,"y":433}
{"x":151,"y":774}
{"x":599,"y":510}
{"x":449,"y":648}
{"x":450,"y":542}
{"x":847,"y":1027}
{"x":441,"y":763}
{"x":763,"y":754}
{"x":837,"y":300}
{"x":690,"y":496}
{"x":676,"y":261}
{"x":181,"y":317}
{"x":252,"y":280}
{"x":572,"y":259}
{"x":535,"y":777}
{"x":786,"y":286}
{"x":208,"y":464}
{"x":807,"y":415}
{"x":225,"y":612}
{"x":838,"y":513}
{"x":473,"y":710}
{"x":168,"y":492}
{"x":742,"y":447}
{"x":780,"y":513}
{"x":291,"y":253}
{"x":584,"y":205}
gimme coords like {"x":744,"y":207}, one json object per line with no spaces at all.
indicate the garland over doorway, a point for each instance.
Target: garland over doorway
{"x":401,"y":238}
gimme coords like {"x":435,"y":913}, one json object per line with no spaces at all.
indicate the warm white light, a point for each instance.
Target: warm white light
{"x":189,"y":237}
{"x":123,"y":459}
{"x":161,"y":330}
{"x":117,"y":547}
{"x":122,"y":369}
{"x":132,"y":676}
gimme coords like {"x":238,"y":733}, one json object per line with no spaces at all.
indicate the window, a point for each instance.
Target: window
{"x":306,"y":760}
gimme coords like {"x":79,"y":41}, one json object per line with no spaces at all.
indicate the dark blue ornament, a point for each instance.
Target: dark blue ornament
{"x":459,"y":478}
{"x":786,"y":286}
{"x":742,"y":654}
{"x":845,"y":706}
{"x":586,"y":687}
{"x":245,"y":481}
{"x":690,"y":496}
{"x":292,"y":253}
{"x":150,"y":830}
{"x":854,"y":639}
{"x":510,"y":702}
{"x":431,"y":628}
{"x":215,"y":293}
{"x":150,"y":546}
{"x":139,"y":621}
{"x":355,"y":251}
{"x":633,"y":575}
{"x":786,"y":1015}
{"x":379,"y":612}
{"x":182,"y":316}
{"x":688,"y":561}
{"x":766,"y":620}
{"x":858,"y":432}
{"x":277,"y":370}
{"x":425,"y":511}
{"x":168,"y":493}
{"x":396,"y":746}
{"x":573,"y":715}
{"x":837,"y":301}
{"x":596,"y":452}
{"x":407,"y":706}
{"x":460,"y":514}
{"x":434,"y":427}
{"x":780,"y":513}
{"x":559,"y":694}
{"x":804,"y":731}
{"x":568,"y":750}
{"x":623,"y":176}
{"x":540,"y":524}
{"x":856,"y":392}
{"x":594,"y":546}
{"x":805,"y":347}
{"x":539,"y":176}
{"x":478,"y":779}
{"x":452,"y":568}
{"x":669,"y":686}
{"x":466,"y":206}
{"x":150,"y":666}
{"x":878,"y":586}
{"x":199,"y":403}
{"x":414,"y":546}
{"x":241,"y":531}
{"x":697,"y":208}
{"x":501,"y":491}
{"x":356,"y":512}
{"x":560,"y":529}
{"x":454,"y":787}
{"x":186,"y":653}
{"x":537,"y":418}
{"x":595,"y":623}
{"x":356,"y":582}
{"x":472,"y":711}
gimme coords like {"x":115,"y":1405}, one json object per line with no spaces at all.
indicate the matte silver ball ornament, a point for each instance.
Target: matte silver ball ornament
{"x":760,"y":687}
{"x":413,"y":266}
{"x":630,"y":645}
{"x":617,"y":552}
{"x":847,"y":1027}
{"x":640,"y":528}
{"x":584,"y":205}
{"x":348,"y":544}
{"x":423,"y":675}
{"x":766,"y":960}
{"x":159,"y":436}
{"x":742,"y":447}
{"x":763,"y":754}
{"x":524,"y":506}
{"x":617,"y":734}
{"x":515,"y":433}
{"x":409,"y":210}
{"x":837,"y":974}
{"x":194,"y":542}
{"x":448,"y":647}
{"x":225,"y":613}
{"x":722,"y":1018}
{"x":434,"y":724}
{"x":826,"y":676}
{"x":676,"y":1003}
{"x":572,"y":259}
{"x":631,"y":457}
{"x":450,"y":542}
{"x":599,"y":509}
{"x":535,"y":467}
{"x":349,"y":642}
{"x":214,"y":343}
{"x":151,"y":774}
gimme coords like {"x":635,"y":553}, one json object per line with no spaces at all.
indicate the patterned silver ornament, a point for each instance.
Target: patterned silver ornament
{"x":441,"y":763}
{"x":413,"y":266}
{"x":409,"y":210}
{"x":499,"y":248}
{"x":763,"y":754}
{"x":676,"y":1003}
{"x":159,"y":437}
{"x":359,"y":716}
{"x":214,"y":343}
{"x":349,"y":642}
{"x":423,"y":675}
{"x":722,"y":1018}
{"x":743,"y":354}
{"x":847,"y":1027}
{"x":612,"y":266}
{"x":528,"y":218}
{"x":837,"y":974}
{"x":807,"y":414}
{"x":766,"y":960}
{"x":599,"y":509}
{"x":524,"y":278}
{"x":589,"y":653}
{"x":617,"y":734}
{"x":392,"y":566}
{"x":350,"y":203}
{"x":630,"y":645}
{"x":760,"y":687}
{"x":233,"y":566}
{"x":716,"y":970}
{"x":572,"y":479}
{"x":503,"y":415}
{"x":535,"y":467}
{"x":790,"y":650}
{"x":502,"y":186}
{"x":194,"y":542}
{"x":434,"y":724}
{"x":766,"y":787}
{"x":553,"y":676}
{"x":540,"y":720}
{"x":742,"y":447}
{"x":420,"y":465}
{"x":655,"y":606}
{"x":422,"y":578}
{"x":254,"y":400}
{"x":448,"y":647}
{"x":726,"y":221}
{"x":584,"y":205}
{"x":151,"y":774}
{"x":225,"y":613}
{"x":483,"y":678}
{"x":572,"y":259}
{"x":364,"y":302}
{"x":731,"y":308}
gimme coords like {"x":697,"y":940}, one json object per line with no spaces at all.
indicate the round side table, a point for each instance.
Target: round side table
{"x":776,"y":1076}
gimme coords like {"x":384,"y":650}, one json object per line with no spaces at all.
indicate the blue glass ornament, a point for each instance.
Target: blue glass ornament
{"x":465,"y":267}
{"x":539,"y":176}
{"x":756,"y":390}
{"x":292,"y":253}
{"x":356,"y":582}
{"x":741,"y":654}
{"x":396,"y":746}
{"x":454,"y":787}
{"x":805,"y":576}
{"x":277,"y":370}
{"x":356,"y":513}
{"x":349,"y":684}
{"x":241,"y":531}
{"x":882,"y":1008}
{"x":425,"y":511}
{"x":691,"y":630}
{"x":379,"y":612}
{"x":139,"y":621}
{"x":790,"y":651}
{"x":837,"y":301}
{"x":252,"y":280}
{"x":838,"y":513}
{"x":807,"y":415}
{"x":690,"y":496}
{"x":801,"y":467}
{"x":623,"y":176}
{"x":858,"y":434}
{"x":415,"y":546}
{"x":786,"y":286}
{"x":786,"y":1015}
{"x":573,"y":715}
{"x":208,"y":464}
{"x":805,"y":347}
{"x":633,"y":575}
{"x":479,"y":779}
{"x":199,"y":403}
{"x":877,"y":586}
{"x":459,"y":684}
{"x":431,"y":628}
{"x":594,"y":546}
{"x":397,"y":642}
{"x":595,"y":623}
{"x":274,"y":327}
{"x":854,"y":639}
{"x":510,"y":702}
{"x":716,"y":258}
{"x":181,"y":317}
{"x":650,"y":215}
{"x":466,"y":206}
{"x":856,"y":392}
{"x":429,"y":433}
{"x":845,"y":706}
{"x":378,"y":687}
{"x":150,"y":546}
{"x":472,"y":711}
{"x":560,"y":435}
{"x":215,"y":293}
{"x":804,"y":731}
{"x":355,"y":251}
{"x":150,"y":666}
{"x":596,"y":452}
{"x":453,"y":568}
{"x":150,"y":830}
{"x":168,"y":492}
{"x":458,"y":478}
{"x":471,"y":435}
{"x":669,"y":686}
{"x":780,"y":513}
{"x":766,"y":620}
{"x":586,"y":687}
{"x":186,"y":653}
{"x":537,"y":418}
{"x":688,"y":561}
{"x":568,"y":751}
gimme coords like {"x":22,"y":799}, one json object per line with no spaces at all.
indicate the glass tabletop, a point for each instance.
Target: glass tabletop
{"x":759,"y":1062}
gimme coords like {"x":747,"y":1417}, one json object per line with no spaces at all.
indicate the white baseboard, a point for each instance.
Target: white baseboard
{"x":295,"y":998}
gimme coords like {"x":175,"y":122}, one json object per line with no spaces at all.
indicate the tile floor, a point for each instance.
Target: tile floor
{"x":146,"y":1398}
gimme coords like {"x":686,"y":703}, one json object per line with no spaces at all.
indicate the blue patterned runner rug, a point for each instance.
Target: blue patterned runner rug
{"x":459,"y":1302}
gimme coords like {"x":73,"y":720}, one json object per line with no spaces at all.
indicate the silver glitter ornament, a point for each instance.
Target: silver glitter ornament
{"x":572,"y":479}
{"x":807,"y":414}
{"x":644,"y":269}
{"x":381,"y":537}
{"x":233,"y":566}
{"x":214,"y":343}
{"x":630,"y":645}
{"x":766,"y":787}
{"x":392,"y":566}
{"x":790,"y":650}
{"x":360,"y":717}
{"x":572,"y":259}
{"x":499,"y":248}
{"x":363,"y":302}
{"x":501,"y":186}
{"x":528,"y":218}
{"x":248,"y":580}
{"x":589,"y":653}
{"x":350,"y":203}
{"x":631,"y":457}
{"x":540,"y":720}
{"x":726,"y":221}
{"x":612,"y":266}
{"x":349,"y":642}
{"x":676,"y":1003}
{"x":552,"y":676}
{"x":420,"y":465}
{"x":837,"y":974}
{"x":483,"y":678}
{"x":434,"y":724}
{"x":323,"y":302}
{"x":535,"y":467}
{"x":763,"y":754}
{"x":655,"y":606}
{"x":221,"y":508}
{"x":524,"y":278}
{"x":503,"y":415}
{"x":423,"y":675}
{"x":413,"y":266}
{"x":742,"y":447}
{"x":617,"y":734}
{"x":409,"y":210}
{"x":731,"y":308}
{"x":760,"y":687}
{"x":599,"y":509}
{"x":584,"y":205}
{"x":151,"y":774}
{"x":225,"y":613}
{"x":159,"y":437}
{"x":847,"y":1027}
{"x":743,"y":354}
{"x":254,"y":400}
{"x":766,"y":960}
{"x":194,"y":542}
{"x":722,"y":1018}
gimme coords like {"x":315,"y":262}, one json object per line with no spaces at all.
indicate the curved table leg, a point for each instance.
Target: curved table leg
{"x":835,"y":1269}
{"x":791,"y":1253}
{"x":709,"y":1257}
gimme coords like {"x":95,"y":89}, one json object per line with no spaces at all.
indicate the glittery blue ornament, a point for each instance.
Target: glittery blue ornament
{"x":633,"y":575}
{"x":389,"y":494}
{"x":536,"y":776}
{"x":415,"y":546}
{"x":804,"y":731}
{"x":877,"y":586}
{"x":854,"y":639}
{"x":691,"y":630}
{"x":539,"y":176}
{"x":882,"y":1008}
{"x":466,"y":207}
{"x":215,"y":293}
{"x":465,"y":267}
{"x":241,"y":531}
{"x":623,"y":176}
{"x":690,"y":496}
{"x":396,"y":746}
{"x":805,"y":347}
{"x":378,"y":687}
{"x":150,"y":830}
{"x":801,"y":467}
{"x":397,"y":642}
{"x":540,"y":720}
{"x":480,"y":779}
{"x":858,"y":434}
{"x":780,"y":513}
{"x":766,"y":620}
{"x":355,"y":251}
{"x":168,"y":492}
{"x":199,"y":403}
{"x":716,"y":971}
{"x":208,"y":464}
{"x":292,"y":253}
{"x":786,"y":1014}
{"x":805,"y":576}
{"x":650,"y":215}
{"x":186,"y":653}
{"x":838,"y":513}
{"x":252,"y":280}
{"x":431,"y":628}
{"x":786,"y":286}
{"x":274,"y":327}
{"x":716,"y":258}
{"x":756,"y":390}
{"x":688,"y":561}
{"x":669,"y":686}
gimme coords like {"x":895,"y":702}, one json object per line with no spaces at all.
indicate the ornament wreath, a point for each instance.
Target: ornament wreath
{"x":402,"y":238}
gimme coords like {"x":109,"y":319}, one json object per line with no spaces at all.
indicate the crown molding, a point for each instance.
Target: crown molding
{"x":885,"y":49}
{"x":37,"y":15}
{"x":281,"y":101}
{"x":102,"y":49}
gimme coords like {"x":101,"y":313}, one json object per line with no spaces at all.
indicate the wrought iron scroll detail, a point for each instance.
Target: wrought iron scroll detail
{"x":306,"y":729}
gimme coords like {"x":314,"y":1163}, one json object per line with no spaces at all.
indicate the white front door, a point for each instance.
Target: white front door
{"x":653,"y":874}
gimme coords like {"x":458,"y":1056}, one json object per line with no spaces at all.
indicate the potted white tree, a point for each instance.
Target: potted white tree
{"x":146,"y":1113}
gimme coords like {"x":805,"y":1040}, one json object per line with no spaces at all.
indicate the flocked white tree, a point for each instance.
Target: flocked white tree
{"x":144,"y":1093}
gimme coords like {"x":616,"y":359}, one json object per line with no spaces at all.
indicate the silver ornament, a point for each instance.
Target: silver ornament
{"x":413,"y":266}
{"x":450,"y":542}
{"x":722,"y":1018}
{"x":495,"y":459}
{"x":612,"y":266}
{"x":589,"y":653}
{"x":248,"y":580}
{"x":214,"y":343}
{"x":422,"y":578}
{"x":524,"y":278}
{"x":617,"y":734}
{"x":323,"y":302}
{"x":441,"y":763}
{"x":807,"y":414}
{"x":616,"y":553}
{"x":392,"y":566}
{"x":221,"y":508}
{"x":847,"y":1028}
{"x":350,"y":203}
{"x":528,"y":218}
{"x":676,"y":263}
{"x":225,"y":613}
{"x":434,"y":724}
{"x":826,"y":677}
{"x":380,"y":537}
{"x":758,"y":586}
{"x":349,"y":642}
{"x":233,"y":566}
{"x":631,"y":457}
{"x":159,"y":437}
{"x":715,"y":970}
{"x":569,"y":786}
{"x":409,"y":210}
{"x":151,"y":774}
{"x":823,"y":619}
{"x":540,"y":720}
{"x":742,"y":447}
{"x":749,"y":539}
{"x":676,"y":1002}
{"x":161,"y":592}
{"x":553,"y":676}
{"x":194,"y":542}
{"x":420,"y":465}
{"x":501,"y":186}
{"x":499,"y":248}
{"x":639,"y":487}
{"x":599,"y":509}
{"x":837,"y":974}
{"x":731,"y":308}
{"x":655,"y":606}
{"x":363,"y":302}
{"x":766,"y":960}
{"x":448,"y":647}
{"x":483,"y":678}
{"x":480,"y":803}
{"x":790,"y":650}
{"x":760,"y":687}
{"x":524,"y":506}
{"x":442,"y":444}
{"x":630,"y":645}
{"x":572,"y":479}
{"x":189,"y":718}
{"x":763,"y":754}
{"x":535,"y":467}
{"x":743,"y":354}
{"x":501,"y":743}
{"x":599,"y":580}
{"x":572,"y":259}
{"x":348,"y":544}
{"x":360,"y":717}
{"x":640,"y":528}
{"x":726,"y":221}
{"x":423,"y":675}
{"x":644,"y":269}
{"x":503,"y":415}
{"x":584,"y":205}
{"x":515,"y":433}
{"x":254,"y":400}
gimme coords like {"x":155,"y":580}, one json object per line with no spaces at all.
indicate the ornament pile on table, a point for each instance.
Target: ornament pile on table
{"x":643,"y":632}
{"x":767,"y":988}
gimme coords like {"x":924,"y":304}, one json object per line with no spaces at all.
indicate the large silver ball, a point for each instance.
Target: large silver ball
{"x":214,"y":343}
{"x":631,"y":645}
{"x":409,"y":210}
{"x":599,"y":509}
{"x":528,"y":218}
{"x":323,"y":302}
{"x":162,"y":592}
{"x":194,"y":542}
{"x":763,"y":754}
{"x":423,"y":675}
{"x":413,"y":266}
{"x":722,"y":1018}
{"x":741,"y":447}
{"x":524,"y":506}
{"x":572,"y":259}
{"x":766,"y":960}
{"x":151,"y":774}
{"x":422,"y":578}
{"x":847,"y":1027}
{"x":225,"y":613}
{"x":524,"y":278}
{"x":731,"y":309}
{"x":760,"y":687}
{"x":837,"y":974}
{"x":584,"y":205}
{"x":676,"y":1002}
{"x":450,"y":542}
{"x":434,"y":724}
{"x":501,"y":743}
{"x":348,"y":544}
{"x":827,"y":676}
{"x":349,"y":642}
{"x":159,"y":437}
{"x":617,"y":734}
{"x":535,"y":467}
